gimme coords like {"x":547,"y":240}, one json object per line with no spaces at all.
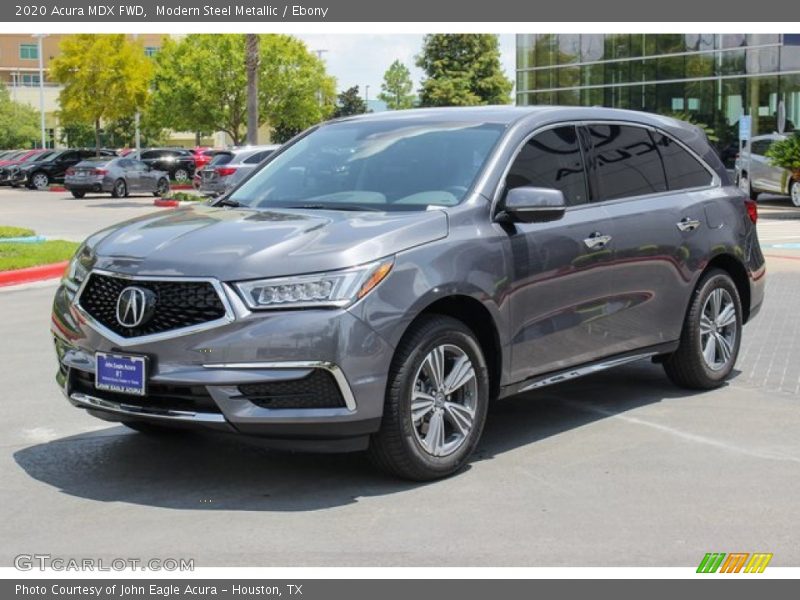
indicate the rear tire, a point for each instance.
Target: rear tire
{"x":435,"y":438}
{"x":711,"y":336}
{"x":162,"y":188}
{"x":78,"y":195}
{"x":181,"y":175}
{"x":120,"y":189}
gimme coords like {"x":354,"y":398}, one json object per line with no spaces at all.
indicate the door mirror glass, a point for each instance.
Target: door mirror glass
{"x":534,"y":204}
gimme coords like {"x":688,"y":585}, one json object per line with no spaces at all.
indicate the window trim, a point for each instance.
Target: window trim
{"x":582,"y":123}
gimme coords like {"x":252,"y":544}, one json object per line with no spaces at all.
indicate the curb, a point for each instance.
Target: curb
{"x":30,"y":274}
{"x":165,"y":203}
{"x":181,"y":186}
{"x":57,"y":188}
{"x":31,"y":239}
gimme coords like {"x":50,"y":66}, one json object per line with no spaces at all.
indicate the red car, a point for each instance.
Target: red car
{"x":202,"y":156}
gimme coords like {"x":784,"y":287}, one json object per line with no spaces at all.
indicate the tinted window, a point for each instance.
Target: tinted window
{"x":627,"y":161}
{"x":67,"y":156}
{"x":126,"y":164}
{"x":257,"y":157}
{"x":150,"y":154}
{"x":551,"y":159}
{"x":683,"y":170}
{"x":760,"y":146}
{"x":221,"y":158}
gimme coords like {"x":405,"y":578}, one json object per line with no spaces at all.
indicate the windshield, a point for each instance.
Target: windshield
{"x":394,"y":164}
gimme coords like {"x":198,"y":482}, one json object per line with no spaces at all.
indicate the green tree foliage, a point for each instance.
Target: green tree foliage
{"x":462,"y":70}
{"x":201,"y":84}
{"x":105,"y":77}
{"x":396,"y":87}
{"x":349,"y":102}
{"x":19,"y":123}
{"x":786,"y":154}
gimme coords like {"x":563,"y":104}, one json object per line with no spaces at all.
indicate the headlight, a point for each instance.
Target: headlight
{"x":76,"y":271}
{"x":335,"y":288}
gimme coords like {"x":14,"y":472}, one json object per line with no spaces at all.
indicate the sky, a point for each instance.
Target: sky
{"x":356,"y":59}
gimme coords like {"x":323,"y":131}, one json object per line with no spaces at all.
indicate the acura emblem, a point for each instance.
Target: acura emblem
{"x":134,"y":305}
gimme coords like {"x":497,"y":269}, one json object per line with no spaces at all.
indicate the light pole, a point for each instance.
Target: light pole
{"x":319,"y":54}
{"x":40,"y":51}
{"x":137,"y":137}
{"x":366,"y":96}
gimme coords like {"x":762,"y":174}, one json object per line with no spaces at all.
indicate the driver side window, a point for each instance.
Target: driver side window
{"x":552,"y":159}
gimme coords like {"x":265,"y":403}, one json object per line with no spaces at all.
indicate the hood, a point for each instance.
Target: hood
{"x":236,"y":243}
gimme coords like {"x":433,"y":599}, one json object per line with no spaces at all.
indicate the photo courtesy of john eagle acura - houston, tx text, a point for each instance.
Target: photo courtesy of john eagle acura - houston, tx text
{"x":377,"y":282}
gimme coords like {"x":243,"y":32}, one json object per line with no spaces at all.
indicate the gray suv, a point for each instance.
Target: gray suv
{"x":228,"y":167}
{"x":380,"y":279}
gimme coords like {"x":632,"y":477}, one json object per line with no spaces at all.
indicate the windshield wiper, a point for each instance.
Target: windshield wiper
{"x":227,"y":202}
{"x":334,"y":206}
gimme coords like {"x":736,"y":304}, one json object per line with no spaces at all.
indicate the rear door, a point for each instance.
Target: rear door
{"x":560,"y":274}
{"x":643,"y":178}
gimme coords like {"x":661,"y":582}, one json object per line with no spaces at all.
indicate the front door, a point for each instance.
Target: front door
{"x":560,"y":274}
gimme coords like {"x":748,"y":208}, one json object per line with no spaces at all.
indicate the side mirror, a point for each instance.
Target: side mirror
{"x":534,"y":204}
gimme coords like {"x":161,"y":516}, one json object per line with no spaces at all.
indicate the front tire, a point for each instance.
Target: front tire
{"x":162,"y":188}
{"x":436,"y":400}
{"x":40,"y":181}
{"x":711,"y":336}
{"x":794,"y":192}
{"x":78,"y":195}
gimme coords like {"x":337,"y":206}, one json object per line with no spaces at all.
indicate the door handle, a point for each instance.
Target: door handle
{"x":597,"y":240}
{"x":687,"y":224}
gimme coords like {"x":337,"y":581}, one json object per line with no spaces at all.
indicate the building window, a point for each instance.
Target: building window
{"x":29,"y":51}
{"x":29,"y":79}
{"x":150,"y":51}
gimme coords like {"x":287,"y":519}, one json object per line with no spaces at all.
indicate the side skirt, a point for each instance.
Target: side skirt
{"x":540,"y":381}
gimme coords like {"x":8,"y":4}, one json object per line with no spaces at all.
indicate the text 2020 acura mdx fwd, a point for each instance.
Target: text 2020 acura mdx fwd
{"x":381,"y":279}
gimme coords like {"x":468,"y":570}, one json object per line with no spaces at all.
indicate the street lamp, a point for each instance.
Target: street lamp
{"x":40,"y":50}
{"x":366,"y":96}
{"x":319,"y":54}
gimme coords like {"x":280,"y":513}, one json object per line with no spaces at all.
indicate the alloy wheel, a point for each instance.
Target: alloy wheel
{"x":444,"y":400}
{"x":795,"y":193}
{"x":40,"y":181}
{"x":181,"y":175}
{"x":718,"y":329}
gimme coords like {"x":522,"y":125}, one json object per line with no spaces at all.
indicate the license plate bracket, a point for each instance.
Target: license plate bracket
{"x":121,"y":373}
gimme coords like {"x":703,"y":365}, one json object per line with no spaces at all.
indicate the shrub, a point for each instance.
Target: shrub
{"x":786,"y":154}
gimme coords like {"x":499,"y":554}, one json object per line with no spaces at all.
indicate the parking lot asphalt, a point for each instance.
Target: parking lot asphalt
{"x":616,"y":469}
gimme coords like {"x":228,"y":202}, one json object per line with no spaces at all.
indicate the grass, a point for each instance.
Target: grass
{"x":6,"y":231}
{"x":20,"y":256}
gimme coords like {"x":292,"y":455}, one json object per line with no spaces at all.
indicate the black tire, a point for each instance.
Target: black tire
{"x":149,"y":428}
{"x":39,"y":180}
{"x":162,"y":188}
{"x":119,"y":189}
{"x":76,"y":194}
{"x":396,"y":448}
{"x":794,"y":192}
{"x":687,"y":367}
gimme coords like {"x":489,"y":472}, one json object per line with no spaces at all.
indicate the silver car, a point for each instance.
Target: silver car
{"x":229,"y":167}
{"x":755,"y":174}
{"x":118,"y":176}
{"x":381,"y":279}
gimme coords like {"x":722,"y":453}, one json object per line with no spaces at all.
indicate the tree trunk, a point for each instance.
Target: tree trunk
{"x":252,"y":63}
{"x":97,"y":137}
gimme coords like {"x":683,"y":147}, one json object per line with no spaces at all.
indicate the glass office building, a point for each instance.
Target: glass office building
{"x":713,"y":78}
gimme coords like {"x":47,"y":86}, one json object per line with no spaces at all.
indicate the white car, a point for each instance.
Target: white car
{"x":755,"y":174}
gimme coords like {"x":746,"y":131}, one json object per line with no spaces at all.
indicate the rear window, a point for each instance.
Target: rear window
{"x":221,"y":158}
{"x":628,"y":161}
{"x":257,"y":157}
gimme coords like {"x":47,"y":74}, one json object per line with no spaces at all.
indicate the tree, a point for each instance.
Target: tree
{"x":349,"y":103}
{"x":295,"y":91}
{"x":396,"y":87}
{"x":462,"y":70}
{"x":201,"y":84}
{"x":252,"y":60}
{"x":785,"y":154}
{"x":105,"y":77}
{"x":19,"y":123}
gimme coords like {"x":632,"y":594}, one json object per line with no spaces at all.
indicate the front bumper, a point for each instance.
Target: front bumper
{"x":211,"y":368}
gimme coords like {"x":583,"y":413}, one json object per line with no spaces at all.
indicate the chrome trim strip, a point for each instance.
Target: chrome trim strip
{"x":87,"y":401}
{"x":333,"y":369}
{"x":153,"y":337}
{"x":581,"y":371}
